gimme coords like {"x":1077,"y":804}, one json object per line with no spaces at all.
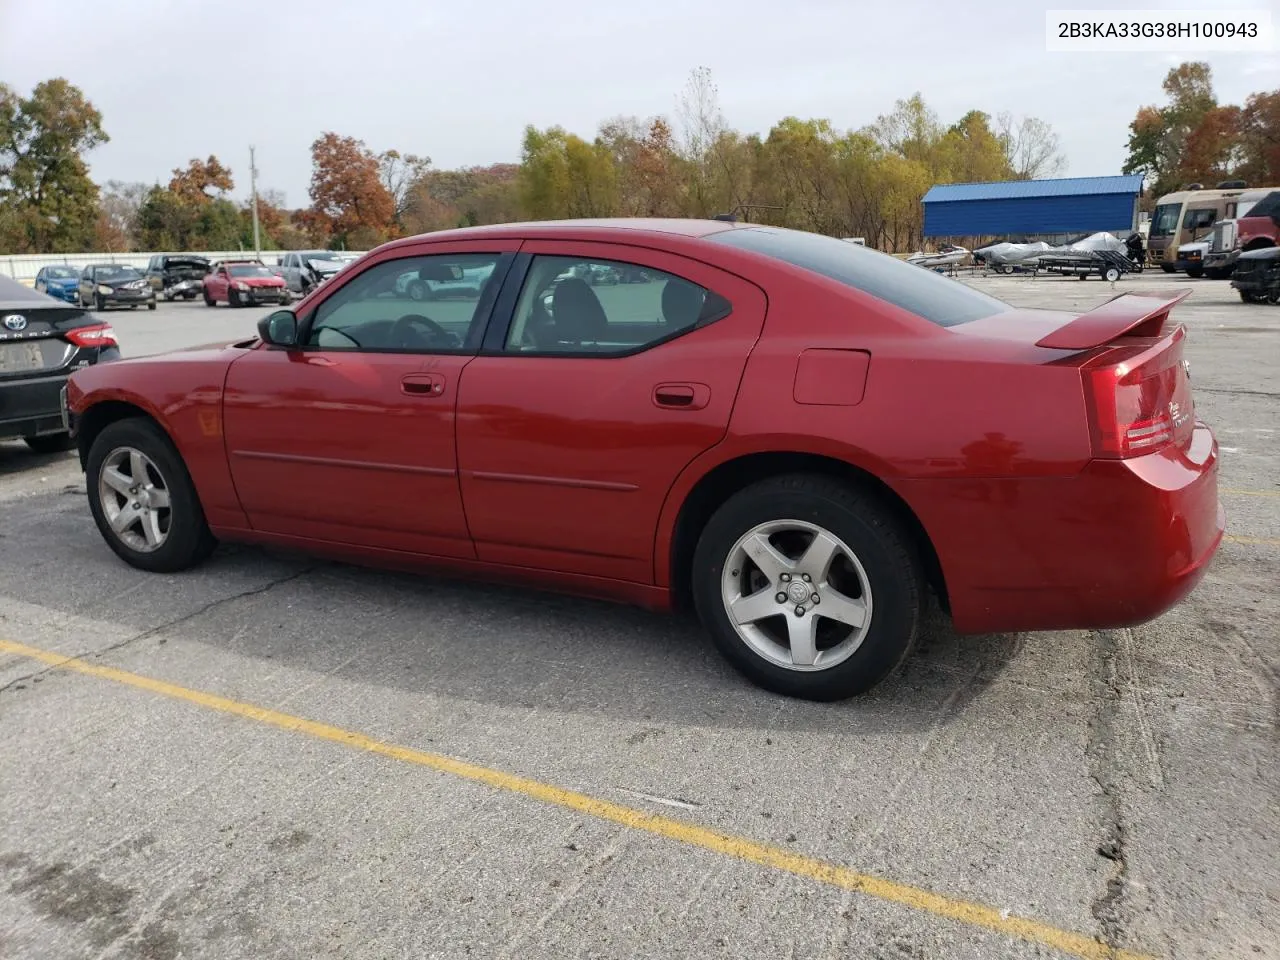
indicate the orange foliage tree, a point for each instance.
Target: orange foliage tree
{"x":347,"y":192}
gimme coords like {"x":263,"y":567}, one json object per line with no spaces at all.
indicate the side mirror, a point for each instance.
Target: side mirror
{"x":279,"y":329}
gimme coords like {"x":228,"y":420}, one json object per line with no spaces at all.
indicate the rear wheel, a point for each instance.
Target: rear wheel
{"x":143,"y":500}
{"x":1111,"y":274}
{"x":1168,"y":268}
{"x":808,"y":587}
{"x":151,"y":305}
{"x":51,"y":443}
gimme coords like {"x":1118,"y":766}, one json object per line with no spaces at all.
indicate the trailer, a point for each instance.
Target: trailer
{"x":1107,"y":264}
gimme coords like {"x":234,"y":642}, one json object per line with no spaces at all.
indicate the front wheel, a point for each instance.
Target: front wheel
{"x":1168,"y":268}
{"x":99,"y":303}
{"x":151,"y":305}
{"x":143,"y":500}
{"x":808,"y":587}
{"x":1111,"y":274}
{"x":1195,"y":273}
{"x":233,"y":298}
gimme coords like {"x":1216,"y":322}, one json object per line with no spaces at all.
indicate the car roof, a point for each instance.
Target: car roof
{"x":597,"y":228}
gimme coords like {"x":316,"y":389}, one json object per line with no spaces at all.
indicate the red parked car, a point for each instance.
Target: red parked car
{"x":243,"y":283}
{"x":794,"y":435}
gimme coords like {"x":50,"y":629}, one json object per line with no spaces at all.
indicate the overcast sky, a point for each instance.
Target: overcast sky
{"x":458,"y":81}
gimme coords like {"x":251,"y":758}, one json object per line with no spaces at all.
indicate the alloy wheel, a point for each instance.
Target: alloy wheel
{"x":797,"y":595}
{"x":135,"y":499}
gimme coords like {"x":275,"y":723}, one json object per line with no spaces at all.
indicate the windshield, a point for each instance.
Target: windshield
{"x":249,"y":270}
{"x":320,"y":255}
{"x":61,"y":273}
{"x":117,"y":273}
{"x":920,"y":291}
{"x":1165,"y":219}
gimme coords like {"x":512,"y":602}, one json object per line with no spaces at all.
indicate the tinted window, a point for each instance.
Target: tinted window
{"x":416,"y":304}
{"x":573,"y":305}
{"x":921,"y":291}
{"x":1197,"y":218}
{"x":250,"y":270}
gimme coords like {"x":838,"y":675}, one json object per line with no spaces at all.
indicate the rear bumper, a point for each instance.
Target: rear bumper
{"x":1115,"y":546}
{"x":29,"y":408}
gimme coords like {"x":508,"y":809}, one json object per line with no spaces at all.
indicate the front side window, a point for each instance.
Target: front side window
{"x":573,"y":305}
{"x":1165,"y":219}
{"x":1197,"y":218}
{"x":926,"y":294}
{"x":426,"y":304}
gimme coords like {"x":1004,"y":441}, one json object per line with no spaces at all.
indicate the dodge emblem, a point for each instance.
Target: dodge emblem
{"x":15,"y":322}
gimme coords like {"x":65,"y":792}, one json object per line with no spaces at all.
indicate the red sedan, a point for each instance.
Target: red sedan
{"x":243,"y":283}
{"x":796,"y":436}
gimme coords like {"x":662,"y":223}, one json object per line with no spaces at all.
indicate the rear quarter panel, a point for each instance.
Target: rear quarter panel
{"x":941,"y":419}
{"x":182,"y":392}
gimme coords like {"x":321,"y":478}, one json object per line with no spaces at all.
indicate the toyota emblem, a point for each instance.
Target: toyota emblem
{"x":15,"y":322}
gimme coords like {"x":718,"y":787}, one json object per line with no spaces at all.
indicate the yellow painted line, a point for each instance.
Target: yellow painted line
{"x":1249,"y":493}
{"x":738,"y":848}
{"x":1256,"y":541}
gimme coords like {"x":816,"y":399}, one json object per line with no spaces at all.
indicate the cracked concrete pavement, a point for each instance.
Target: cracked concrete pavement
{"x":1120,"y":785}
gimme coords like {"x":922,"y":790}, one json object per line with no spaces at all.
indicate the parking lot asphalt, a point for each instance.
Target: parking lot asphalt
{"x":274,"y":756}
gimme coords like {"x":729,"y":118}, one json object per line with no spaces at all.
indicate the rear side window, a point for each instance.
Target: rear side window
{"x":926,"y":294}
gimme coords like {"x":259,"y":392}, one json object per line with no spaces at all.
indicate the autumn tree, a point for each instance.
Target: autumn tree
{"x":194,"y":183}
{"x":48,"y":203}
{"x":1259,"y":133}
{"x":347,"y":193}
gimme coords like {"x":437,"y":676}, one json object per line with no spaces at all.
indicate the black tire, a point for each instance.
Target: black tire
{"x":233,"y":298}
{"x":151,"y":305}
{"x":189,"y":541}
{"x":1168,"y":268}
{"x":51,"y":443}
{"x":1215,"y":273}
{"x":99,"y":303}
{"x":892,"y":565}
{"x":1111,"y":274}
{"x":1195,"y":273}
{"x":209,"y":301}
{"x":1248,"y":297}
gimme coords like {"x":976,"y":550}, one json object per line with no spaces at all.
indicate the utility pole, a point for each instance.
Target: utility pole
{"x":253,"y":190}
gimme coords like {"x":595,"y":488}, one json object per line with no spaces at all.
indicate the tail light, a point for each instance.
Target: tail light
{"x":1139,"y":398}
{"x":98,"y":335}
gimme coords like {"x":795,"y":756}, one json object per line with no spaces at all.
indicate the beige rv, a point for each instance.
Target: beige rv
{"x":1182,"y":216}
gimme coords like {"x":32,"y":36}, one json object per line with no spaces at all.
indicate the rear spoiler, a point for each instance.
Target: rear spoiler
{"x":1125,"y":313}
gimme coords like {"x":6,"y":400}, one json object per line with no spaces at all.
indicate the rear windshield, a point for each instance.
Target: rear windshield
{"x":926,"y":294}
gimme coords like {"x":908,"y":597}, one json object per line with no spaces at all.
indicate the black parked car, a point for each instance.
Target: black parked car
{"x":174,"y":275}
{"x":105,"y":285}
{"x":43,"y":341}
{"x":1257,"y":275}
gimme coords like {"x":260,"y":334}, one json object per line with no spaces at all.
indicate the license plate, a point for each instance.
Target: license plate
{"x":20,"y":357}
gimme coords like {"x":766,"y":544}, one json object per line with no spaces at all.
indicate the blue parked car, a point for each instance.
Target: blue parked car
{"x":60,"y":282}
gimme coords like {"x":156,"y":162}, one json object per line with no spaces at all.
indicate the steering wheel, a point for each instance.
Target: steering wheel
{"x":437,"y":336}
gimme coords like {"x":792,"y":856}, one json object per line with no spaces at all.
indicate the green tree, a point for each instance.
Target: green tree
{"x":562,"y":175}
{"x":47,"y":200}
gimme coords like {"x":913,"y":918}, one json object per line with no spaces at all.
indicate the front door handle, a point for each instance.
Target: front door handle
{"x":682,"y":396}
{"x":422,"y":384}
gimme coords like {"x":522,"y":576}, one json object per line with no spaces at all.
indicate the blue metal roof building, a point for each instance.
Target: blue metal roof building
{"x":1067,"y":205}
